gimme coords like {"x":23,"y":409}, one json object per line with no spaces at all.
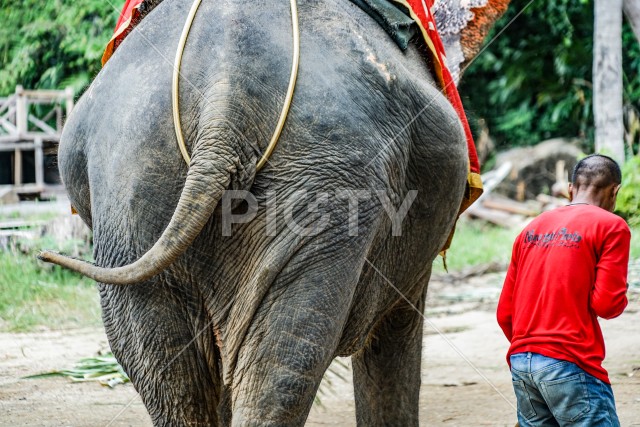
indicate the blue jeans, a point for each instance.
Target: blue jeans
{"x":552,"y":392}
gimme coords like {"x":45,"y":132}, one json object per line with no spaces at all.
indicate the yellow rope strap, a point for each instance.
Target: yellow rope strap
{"x":287,"y":102}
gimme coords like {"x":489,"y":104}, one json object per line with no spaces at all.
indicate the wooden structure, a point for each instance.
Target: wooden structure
{"x":505,"y":212}
{"x":30,"y":125}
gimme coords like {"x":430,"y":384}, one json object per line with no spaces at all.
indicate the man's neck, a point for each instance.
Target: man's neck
{"x":589,"y":198}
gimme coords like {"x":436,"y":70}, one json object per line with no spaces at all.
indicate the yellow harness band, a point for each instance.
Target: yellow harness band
{"x":287,"y":102}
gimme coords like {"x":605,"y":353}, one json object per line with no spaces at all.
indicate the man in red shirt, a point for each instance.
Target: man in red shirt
{"x":568,"y":267}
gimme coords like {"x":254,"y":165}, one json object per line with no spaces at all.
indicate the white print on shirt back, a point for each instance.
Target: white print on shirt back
{"x":553,"y":239}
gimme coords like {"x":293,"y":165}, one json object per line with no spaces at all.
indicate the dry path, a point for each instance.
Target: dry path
{"x":454,"y":393}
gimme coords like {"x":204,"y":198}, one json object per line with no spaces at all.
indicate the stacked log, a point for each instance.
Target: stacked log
{"x":527,"y":182}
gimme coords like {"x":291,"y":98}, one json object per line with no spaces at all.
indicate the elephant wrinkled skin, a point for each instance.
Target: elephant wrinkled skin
{"x":239,"y":329}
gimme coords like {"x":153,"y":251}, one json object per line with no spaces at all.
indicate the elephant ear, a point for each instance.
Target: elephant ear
{"x":463,"y":26}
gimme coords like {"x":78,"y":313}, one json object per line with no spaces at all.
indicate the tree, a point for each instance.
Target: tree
{"x":632,"y":12}
{"x":607,"y":78}
{"x":534,"y":81}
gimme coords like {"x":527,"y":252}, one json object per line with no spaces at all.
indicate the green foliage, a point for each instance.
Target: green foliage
{"x":53,"y":44}
{"x":534,"y":81}
{"x":635,"y":243}
{"x":628,"y":202}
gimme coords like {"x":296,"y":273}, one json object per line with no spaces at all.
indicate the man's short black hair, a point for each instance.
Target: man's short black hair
{"x":597,"y":170}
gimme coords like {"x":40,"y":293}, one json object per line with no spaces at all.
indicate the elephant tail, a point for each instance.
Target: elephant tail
{"x":202,"y":191}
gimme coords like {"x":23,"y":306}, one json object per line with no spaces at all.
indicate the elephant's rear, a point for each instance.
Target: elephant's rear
{"x":365,"y":116}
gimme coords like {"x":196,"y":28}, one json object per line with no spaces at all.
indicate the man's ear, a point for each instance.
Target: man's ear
{"x":613,"y":194}
{"x":570,"y":192}
{"x":616,"y":189}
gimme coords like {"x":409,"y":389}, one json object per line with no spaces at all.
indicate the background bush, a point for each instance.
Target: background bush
{"x":53,"y":44}
{"x":534,"y":81}
{"x":628,"y":203}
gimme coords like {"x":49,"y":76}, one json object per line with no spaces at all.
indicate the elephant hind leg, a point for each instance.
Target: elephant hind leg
{"x":167,"y":347}
{"x":290,"y":343}
{"x":386,"y":373}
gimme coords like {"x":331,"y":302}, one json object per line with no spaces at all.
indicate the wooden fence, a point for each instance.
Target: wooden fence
{"x":31,"y":121}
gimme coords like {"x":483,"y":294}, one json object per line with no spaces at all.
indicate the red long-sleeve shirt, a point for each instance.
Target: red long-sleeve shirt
{"x":568,"y":267}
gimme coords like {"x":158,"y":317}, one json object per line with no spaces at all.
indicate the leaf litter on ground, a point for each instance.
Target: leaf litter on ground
{"x":103,"y":369}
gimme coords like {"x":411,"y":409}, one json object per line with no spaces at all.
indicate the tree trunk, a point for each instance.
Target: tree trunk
{"x":632,"y":12}
{"x":607,"y":78}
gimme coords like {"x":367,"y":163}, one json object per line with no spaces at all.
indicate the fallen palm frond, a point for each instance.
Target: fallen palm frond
{"x":103,"y":369}
{"x":106,"y":370}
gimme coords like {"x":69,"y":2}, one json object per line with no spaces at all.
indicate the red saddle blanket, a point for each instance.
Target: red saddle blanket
{"x":420,"y":11}
{"x":126,"y":22}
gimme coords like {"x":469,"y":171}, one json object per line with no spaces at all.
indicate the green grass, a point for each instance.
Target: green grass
{"x":635,"y":242}
{"x":477,"y":243}
{"x":35,"y":295}
{"x":40,"y":216}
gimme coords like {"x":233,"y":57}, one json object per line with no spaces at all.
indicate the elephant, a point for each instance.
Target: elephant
{"x":226,"y":292}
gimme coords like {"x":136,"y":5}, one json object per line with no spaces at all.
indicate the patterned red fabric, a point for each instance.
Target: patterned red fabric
{"x":125,"y":24}
{"x":421,"y":12}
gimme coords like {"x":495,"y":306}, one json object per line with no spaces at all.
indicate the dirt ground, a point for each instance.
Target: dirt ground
{"x":465,"y":380}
